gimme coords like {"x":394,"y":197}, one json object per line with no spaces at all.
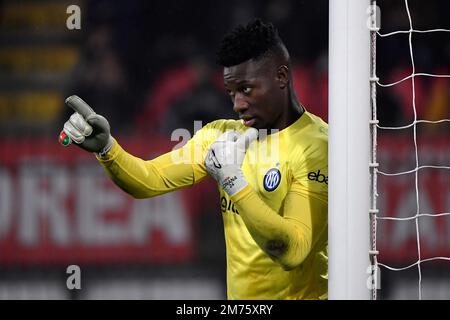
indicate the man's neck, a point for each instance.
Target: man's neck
{"x":294,"y":112}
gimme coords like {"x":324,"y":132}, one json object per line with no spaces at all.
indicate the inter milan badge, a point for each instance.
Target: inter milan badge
{"x":272,"y":179}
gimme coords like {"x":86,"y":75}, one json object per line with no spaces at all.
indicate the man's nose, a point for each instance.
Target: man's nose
{"x":240,"y":104}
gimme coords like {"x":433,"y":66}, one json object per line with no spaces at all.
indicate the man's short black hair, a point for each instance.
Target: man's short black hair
{"x":253,"y":41}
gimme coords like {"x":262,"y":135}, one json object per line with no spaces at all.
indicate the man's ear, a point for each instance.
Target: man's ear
{"x":283,"y":76}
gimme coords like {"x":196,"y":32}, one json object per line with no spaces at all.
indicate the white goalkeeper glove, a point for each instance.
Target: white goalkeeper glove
{"x":87,"y":129}
{"x":225,"y":157}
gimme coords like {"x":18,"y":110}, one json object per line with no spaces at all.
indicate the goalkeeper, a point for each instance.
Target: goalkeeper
{"x":273,"y":203}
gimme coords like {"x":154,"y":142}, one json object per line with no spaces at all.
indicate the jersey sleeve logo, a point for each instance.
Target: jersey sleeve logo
{"x":272,"y":179}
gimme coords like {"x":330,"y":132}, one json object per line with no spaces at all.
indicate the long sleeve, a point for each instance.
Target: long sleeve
{"x":287,"y":237}
{"x":177,"y":169}
{"x":147,"y":178}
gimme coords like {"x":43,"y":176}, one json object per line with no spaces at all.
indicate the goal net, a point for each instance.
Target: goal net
{"x":403,"y":142}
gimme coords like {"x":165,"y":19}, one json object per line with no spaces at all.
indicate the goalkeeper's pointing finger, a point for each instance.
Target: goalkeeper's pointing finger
{"x":76,"y":128}
{"x":89,"y":130}
{"x":79,"y":106}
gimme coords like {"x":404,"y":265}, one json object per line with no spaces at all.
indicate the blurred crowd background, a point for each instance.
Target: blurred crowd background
{"x":149,"y":68}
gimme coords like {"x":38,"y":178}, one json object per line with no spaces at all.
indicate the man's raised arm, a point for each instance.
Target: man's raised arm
{"x":140,"y":178}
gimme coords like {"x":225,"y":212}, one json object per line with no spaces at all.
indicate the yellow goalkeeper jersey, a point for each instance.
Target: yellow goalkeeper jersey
{"x":283,"y":209}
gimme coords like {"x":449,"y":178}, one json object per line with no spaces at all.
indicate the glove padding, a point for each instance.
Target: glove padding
{"x":225,"y":157}
{"x":87,"y":129}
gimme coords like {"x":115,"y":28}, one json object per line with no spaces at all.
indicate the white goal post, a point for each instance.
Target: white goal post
{"x":349,"y":150}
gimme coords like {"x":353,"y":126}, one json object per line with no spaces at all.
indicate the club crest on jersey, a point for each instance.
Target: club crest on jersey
{"x":272,"y":179}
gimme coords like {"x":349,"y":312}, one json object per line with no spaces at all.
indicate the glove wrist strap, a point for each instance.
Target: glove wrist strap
{"x":103,"y":152}
{"x":234,"y":183}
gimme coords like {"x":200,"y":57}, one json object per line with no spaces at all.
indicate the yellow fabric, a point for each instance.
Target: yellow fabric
{"x":276,"y":240}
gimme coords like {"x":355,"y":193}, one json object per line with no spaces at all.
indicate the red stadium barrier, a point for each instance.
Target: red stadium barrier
{"x":58,"y":206}
{"x":397,"y":240}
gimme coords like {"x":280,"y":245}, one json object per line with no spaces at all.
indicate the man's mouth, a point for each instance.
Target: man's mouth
{"x":248,"y":122}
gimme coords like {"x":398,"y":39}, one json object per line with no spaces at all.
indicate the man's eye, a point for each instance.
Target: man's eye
{"x":246,"y":90}
{"x":231,"y":93}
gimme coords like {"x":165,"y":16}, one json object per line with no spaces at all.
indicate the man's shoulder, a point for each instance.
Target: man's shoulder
{"x":308,"y":144}
{"x":310,"y":134}
{"x":316,"y":126}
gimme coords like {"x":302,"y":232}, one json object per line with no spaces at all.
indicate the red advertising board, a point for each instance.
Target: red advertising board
{"x":423,"y":192}
{"x":57,"y":205}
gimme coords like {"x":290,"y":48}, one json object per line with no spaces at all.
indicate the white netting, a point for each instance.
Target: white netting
{"x":375,"y":126}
